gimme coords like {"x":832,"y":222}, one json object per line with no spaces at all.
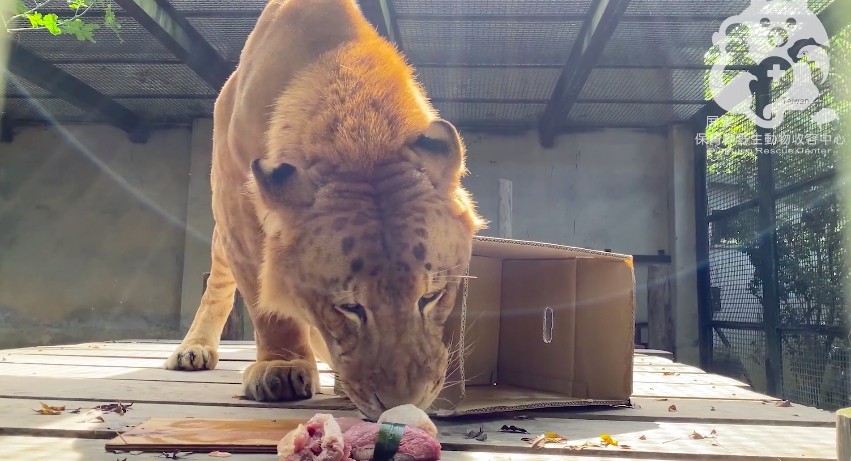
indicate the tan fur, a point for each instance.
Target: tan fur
{"x":324,"y":200}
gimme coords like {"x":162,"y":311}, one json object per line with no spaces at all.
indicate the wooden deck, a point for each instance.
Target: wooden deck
{"x":735,"y":422}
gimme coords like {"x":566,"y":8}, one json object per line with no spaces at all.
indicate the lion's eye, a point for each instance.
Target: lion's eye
{"x":353,"y":309}
{"x":429,"y":298}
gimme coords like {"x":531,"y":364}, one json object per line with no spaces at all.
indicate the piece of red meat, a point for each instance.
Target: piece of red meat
{"x":319,"y":440}
{"x":415,"y":445}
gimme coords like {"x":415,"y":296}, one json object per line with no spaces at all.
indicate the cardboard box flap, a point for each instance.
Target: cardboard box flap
{"x":497,"y":399}
{"x":522,"y":249}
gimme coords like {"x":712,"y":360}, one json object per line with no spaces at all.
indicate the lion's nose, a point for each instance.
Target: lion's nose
{"x":388,"y":400}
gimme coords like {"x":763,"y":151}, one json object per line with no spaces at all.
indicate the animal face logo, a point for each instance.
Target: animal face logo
{"x":779,"y":35}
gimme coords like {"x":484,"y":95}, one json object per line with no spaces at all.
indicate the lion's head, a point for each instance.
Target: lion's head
{"x":367,"y":227}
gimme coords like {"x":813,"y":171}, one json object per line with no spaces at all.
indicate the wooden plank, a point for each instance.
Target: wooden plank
{"x":843,"y":433}
{"x":149,"y":392}
{"x":660,"y":313}
{"x":17,"y":415}
{"x":107,"y":361}
{"x":729,"y":442}
{"x":686,"y":378}
{"x":135,"y":374}
{"x":64,"y":449}
{"x":695,"y":391}
{"x":238,"y":366}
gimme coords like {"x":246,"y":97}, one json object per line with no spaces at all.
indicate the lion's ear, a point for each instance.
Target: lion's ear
{"x":442,"y":152}
{"x":282,"y":184}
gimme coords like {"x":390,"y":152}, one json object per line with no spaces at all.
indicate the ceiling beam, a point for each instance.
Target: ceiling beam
{"x":833,"y":17}
{"x":28,"y":66}
{"x":177,"y":35}
{"x":588,"y":46}
{"x":382,"y":15}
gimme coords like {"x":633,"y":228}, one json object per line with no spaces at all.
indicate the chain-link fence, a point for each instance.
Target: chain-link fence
{"x":775,"y":314}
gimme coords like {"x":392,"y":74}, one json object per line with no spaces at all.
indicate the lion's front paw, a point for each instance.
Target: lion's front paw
{"x":191,"y":357}
{"x":280,"y":380}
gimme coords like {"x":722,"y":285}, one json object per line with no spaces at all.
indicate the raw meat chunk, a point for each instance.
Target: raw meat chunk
{"x":415,"y":445}
{"x":320,"y":440}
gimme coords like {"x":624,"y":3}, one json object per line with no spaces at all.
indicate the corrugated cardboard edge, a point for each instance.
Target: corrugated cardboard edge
{"x":628,"y":259}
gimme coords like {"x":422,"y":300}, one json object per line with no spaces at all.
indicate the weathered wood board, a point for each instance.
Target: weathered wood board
{"x":671,"y":401}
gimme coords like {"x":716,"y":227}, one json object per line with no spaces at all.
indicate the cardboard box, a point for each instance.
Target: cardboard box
{"x":543,"y":325}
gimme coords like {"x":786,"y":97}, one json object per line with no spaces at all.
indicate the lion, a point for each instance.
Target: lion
{"x":339,"y":214}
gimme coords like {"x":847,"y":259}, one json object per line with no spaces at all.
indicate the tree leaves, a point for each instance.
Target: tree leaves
{"x":28,"y":18}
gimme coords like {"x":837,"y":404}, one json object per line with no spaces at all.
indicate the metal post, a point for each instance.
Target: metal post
{"x":704,"y":309}
{"x":768,"y":244}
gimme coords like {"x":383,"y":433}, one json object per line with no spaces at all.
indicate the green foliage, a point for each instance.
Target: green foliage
{"x":72,"y":20}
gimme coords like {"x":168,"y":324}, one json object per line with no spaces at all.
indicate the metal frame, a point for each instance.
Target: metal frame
{"x":28,"y":66}
{"x":598,"y":27}
{"x":178,"y":36}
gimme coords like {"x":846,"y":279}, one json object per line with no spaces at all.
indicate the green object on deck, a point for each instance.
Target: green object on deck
{"x":389,"y":436}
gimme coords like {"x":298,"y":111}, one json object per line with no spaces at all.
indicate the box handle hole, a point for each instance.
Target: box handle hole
{"x":548,"y":325}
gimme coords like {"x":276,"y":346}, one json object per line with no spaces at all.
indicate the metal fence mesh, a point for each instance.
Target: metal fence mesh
{"x":809,"y":267}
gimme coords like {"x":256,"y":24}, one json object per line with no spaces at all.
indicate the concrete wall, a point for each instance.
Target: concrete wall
{"x":91,"y":235}
{"x":116,"y":266}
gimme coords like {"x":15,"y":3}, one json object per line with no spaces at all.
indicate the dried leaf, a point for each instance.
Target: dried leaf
{"x":545,"y":438}
{"x":711,"y":408}
{"x":608,"y":440}
{"x":75,"y":411}
{"x":672,"y":408}
{"x":513,"y":429}
{"x":49,"y":410}
{"x":219,"y":454}
{"x":473,"y":434}
{"x":96,"y":419}
{"x":662,"y":400}
{"x":625,"y":447}
{"x":669,"y":373}
{"x":694,"y":435}
{"x":783,"y":403}
{"x":643,"y":437}
{"x":119,"y":408}
{"x":636,"y":406}
{"x":713,"y":433}
{"x":482,"y":437}
{"x":175,"y":454}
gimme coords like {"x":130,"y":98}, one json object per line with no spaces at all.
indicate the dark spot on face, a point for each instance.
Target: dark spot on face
{"x":419,"y":219}
{"x":422,"y":233}
{"x":348,"y":244}
{"x":357,"y":265}
{"x":339,"y":223}
{"x":419,"y":251}
{"x":375,"y":270}
{"x":402,"y":266}
{"x":438,"y":213}
{"x":428,"y":266}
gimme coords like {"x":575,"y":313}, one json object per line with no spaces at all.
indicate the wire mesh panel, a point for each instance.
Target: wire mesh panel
{"x":463,"y":113}
{"x":226,"y":35}
{"x":143,"y":79}
{"x":795,"y":225}
{"x":660,"y":43}
{"x":509,"y":83}
{"x":491,"y":7}
{"x":487,"y":42}
{"x":740,"y":354}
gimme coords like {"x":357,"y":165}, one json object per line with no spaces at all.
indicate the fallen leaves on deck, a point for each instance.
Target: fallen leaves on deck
{"x":49,"y":410}
{"x":783,"y":403}
{"x":118,"y":408}
{"x":545,"y":438}
{"x":176,"y":454}
{"x":672,"y":408}
{"x":478,"y":435}
{"x":513,"y":429}
{"x":608,"y":440}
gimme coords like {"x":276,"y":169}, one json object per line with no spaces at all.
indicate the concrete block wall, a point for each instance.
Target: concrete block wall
{"x":608,"y":189}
